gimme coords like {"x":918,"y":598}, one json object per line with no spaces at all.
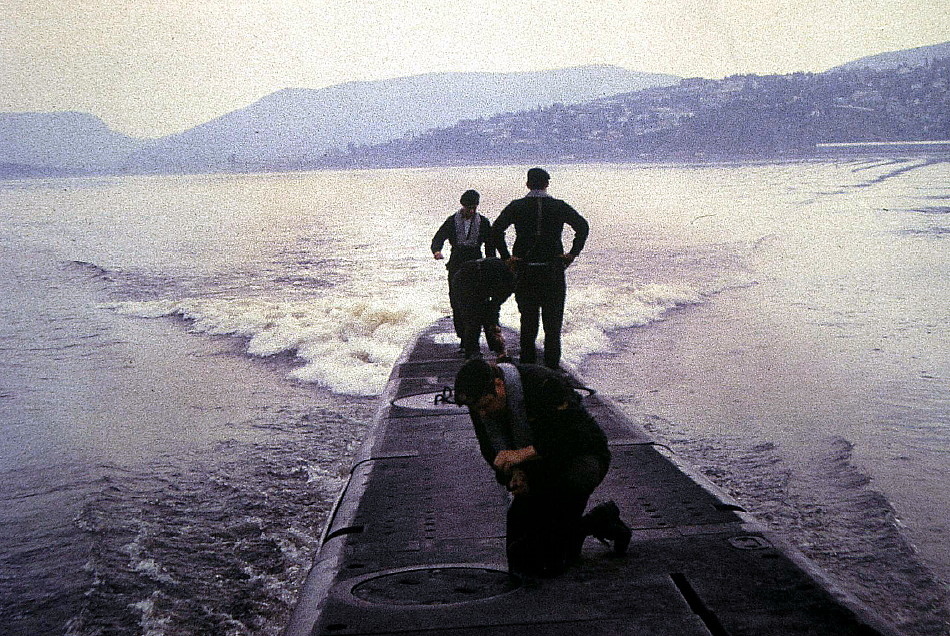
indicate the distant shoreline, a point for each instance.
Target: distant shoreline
{"x":821,"y":152}
{"x":862,"y":144}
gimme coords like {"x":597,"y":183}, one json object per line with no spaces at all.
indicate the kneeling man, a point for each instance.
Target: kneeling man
{"x":550,"y":453}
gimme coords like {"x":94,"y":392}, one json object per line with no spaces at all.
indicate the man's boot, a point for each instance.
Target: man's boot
{"x":604,"y":524}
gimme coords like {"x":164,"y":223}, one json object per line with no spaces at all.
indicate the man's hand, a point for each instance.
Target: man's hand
{"x":437,"y":255}
{"x":568,"y":258}
{"x":518,"y":484}
{"x":507,"y":460}
{"x":512,"y":264}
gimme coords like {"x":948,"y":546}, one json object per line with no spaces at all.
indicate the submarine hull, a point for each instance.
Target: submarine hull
{"x":416,"y":541}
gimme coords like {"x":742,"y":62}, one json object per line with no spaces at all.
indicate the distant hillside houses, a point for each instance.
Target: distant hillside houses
{"x":741,"y":115}
{"x":589,"y":113}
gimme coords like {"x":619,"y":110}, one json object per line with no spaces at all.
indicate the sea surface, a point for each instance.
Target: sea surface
{"x":189,"y":363}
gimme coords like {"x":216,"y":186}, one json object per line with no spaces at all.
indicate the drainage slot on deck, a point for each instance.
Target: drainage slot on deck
{"x":696,"y":604}
{"x":342,"y":531}
{"x":436,"y":585}
{"x":724,"y":507}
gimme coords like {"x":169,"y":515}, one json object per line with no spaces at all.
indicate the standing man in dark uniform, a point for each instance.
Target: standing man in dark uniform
{"x":539,"y":260}
{"x":466,"y":231}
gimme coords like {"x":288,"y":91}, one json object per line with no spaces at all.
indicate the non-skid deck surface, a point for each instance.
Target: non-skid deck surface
{"x":416,"y":543}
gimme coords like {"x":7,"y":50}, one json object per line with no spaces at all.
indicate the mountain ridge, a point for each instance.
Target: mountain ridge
{"x":916,"y":56}
{"x":697,"y":119}
{"x":296,"y":124}
{"x":59,"y":142}
{"x":296,"y":128}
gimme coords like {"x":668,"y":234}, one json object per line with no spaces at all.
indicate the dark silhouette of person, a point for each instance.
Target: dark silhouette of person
{"x":479,"y":289}
{"x":550,"y":453}
{"x":539,"y":260}
{"x":466,"y":231}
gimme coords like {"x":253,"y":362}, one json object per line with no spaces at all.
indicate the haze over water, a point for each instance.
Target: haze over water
{"x":783,"y":327}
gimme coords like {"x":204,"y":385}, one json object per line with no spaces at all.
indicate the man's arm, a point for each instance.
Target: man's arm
{"x":504,"y":220}
{"x":506,"y":460}
{"x":510,"y":469}
{"x":492,"y":438}
{"x":581,"y":230}
{"x":442,"y":235}
{"x":484,"y":231}
{"x":500,"y":282}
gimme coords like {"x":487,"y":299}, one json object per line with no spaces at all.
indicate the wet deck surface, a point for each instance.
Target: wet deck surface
{"x":416,"y":543}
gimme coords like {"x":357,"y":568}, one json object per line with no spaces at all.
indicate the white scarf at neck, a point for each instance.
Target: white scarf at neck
{"x":466,"y":230}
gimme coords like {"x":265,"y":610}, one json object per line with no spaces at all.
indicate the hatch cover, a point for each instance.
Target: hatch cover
{"x":749,"y":542}
{"x":432,"y":400}
{"x":444,"y":400}
{"x":434,"y":585}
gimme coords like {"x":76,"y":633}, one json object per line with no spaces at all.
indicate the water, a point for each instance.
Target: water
{"x":189,"y":363}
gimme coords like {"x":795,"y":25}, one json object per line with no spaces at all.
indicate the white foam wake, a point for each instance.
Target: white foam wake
{"x":349,"y":344}
{"x":592,"y":313}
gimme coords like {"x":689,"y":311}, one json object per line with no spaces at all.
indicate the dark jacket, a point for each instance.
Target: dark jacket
{"x":532,"y":244}
{"x":461,"y":254}
{"x":559,"y":433}
{"x":485,"y":283}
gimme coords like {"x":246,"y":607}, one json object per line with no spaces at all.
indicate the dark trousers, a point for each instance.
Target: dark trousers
{"x":456,"y":314}
{"x":540,"y":292}
{"x":544,"y":528}
{"x":474,"y":309}
{"x":475,"y":319}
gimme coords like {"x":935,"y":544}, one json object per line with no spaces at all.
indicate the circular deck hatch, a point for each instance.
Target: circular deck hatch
{"x":436,"y":585}
{"x":431,"y":401}
{"x":443,"y":400}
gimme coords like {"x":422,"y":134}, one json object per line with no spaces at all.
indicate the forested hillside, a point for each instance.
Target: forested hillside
{"x":741,"y":115}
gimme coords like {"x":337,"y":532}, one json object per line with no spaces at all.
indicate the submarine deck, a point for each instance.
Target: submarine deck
{"x":415,"y":544}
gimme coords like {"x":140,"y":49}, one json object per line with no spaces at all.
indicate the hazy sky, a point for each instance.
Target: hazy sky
{"x":153,"y":67}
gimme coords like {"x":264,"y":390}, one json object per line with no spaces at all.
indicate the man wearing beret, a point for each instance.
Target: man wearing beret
{"x":466,"y":231}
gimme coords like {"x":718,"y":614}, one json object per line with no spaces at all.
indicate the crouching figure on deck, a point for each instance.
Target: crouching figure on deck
{"x":481,"y":287}
{"x":550,"y":453}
